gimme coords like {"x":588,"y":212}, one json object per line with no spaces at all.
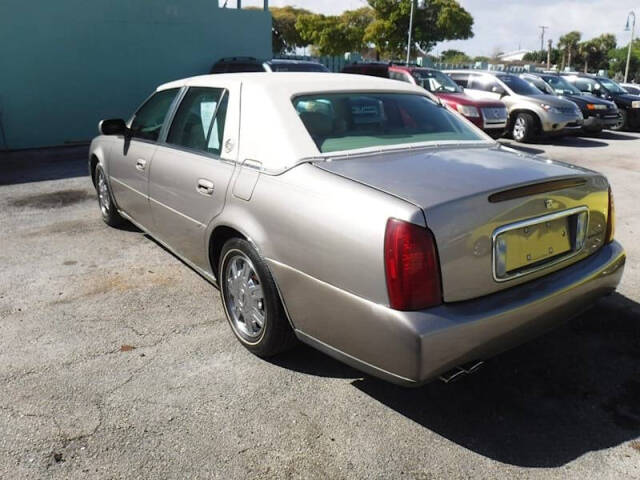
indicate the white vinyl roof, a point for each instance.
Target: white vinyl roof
{"x":270,"y":130}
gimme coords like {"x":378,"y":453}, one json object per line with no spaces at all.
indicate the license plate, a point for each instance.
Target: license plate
{"x":635,"y":104}
{"x":531,"y":244}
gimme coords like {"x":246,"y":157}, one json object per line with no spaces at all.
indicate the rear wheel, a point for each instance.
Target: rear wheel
{"x":524,"y":128}
{"x":108,"y":209}
{"x":251,"y":300}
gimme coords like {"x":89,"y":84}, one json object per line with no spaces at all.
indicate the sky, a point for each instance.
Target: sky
{"x":509,"y":24}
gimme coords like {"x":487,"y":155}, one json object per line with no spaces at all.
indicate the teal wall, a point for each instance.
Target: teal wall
{"x":66,"y":64}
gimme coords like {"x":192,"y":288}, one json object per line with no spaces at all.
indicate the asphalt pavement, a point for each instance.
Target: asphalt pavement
{"x":116,"y":361}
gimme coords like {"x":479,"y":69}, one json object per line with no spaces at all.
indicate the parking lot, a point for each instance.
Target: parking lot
{"x":116,"y":361}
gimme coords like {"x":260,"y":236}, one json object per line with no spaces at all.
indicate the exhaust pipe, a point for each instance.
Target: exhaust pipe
{"x":458,"y":372}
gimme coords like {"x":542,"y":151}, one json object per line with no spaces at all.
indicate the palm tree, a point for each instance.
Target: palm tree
{"x":569,"y":43}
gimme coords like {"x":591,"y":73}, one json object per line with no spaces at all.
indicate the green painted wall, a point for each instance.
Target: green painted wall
{"x":66,"y":64}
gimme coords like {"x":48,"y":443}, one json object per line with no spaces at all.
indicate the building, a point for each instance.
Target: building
{"x":66,"y":65}
{"x":515,"y":56}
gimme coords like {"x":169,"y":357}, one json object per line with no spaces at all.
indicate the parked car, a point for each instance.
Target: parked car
{"x":360,"y":216}
{"x":598,"y":113}
{"x":632,"y":88}
{"x":531,"y":113}
{"x":602,"y":87}
{"x":489,"y":115}
{"x":250,"y":64}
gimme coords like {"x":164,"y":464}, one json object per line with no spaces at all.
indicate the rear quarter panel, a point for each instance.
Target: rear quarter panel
{"x":322,"y":225}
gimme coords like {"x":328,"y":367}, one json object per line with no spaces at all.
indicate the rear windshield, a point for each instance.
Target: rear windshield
{"x":518,"y":85}
{"x":348,"y":121}
{"x":298,"y":67}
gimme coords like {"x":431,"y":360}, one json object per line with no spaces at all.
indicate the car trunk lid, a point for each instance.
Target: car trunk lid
{"x":453,"y":186}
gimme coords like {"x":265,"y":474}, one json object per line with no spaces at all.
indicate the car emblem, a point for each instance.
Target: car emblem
{"x":228,"y":146}
{"x":548,"y":203}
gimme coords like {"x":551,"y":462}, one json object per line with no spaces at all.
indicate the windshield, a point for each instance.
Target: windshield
{"x":348,"y":121}
{"x":298,"y":67}
{"x":610,"y":85}
{"x":560,"y":85}
{"x":518,"y":85}
{"x":435,"y":81}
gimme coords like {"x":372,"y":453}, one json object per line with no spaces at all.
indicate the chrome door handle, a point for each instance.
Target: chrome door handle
{"x":141,"y":164}
{"x":205,"y":187}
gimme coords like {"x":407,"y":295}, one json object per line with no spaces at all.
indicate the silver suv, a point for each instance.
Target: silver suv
{"x":531,"y":112}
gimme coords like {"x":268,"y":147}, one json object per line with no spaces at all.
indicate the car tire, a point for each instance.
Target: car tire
{"x":623,"y":123}
{"x":523,"y":129}
{"x":251,"y":301}
{"x":108,"y":208}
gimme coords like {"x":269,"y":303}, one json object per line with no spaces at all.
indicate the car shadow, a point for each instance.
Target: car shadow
{"x":36,"y":165}
{"x":609,"y":135}
{"x":545,"y":403}
{"x":573,"y":141}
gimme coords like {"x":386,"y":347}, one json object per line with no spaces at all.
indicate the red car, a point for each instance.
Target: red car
{"x":490,"y":115}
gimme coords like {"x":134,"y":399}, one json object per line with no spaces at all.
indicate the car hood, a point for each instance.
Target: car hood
{"x":430,"y":177}
{"x":464,"y":99}
{"x":582,"y":101}
{"x":624,"y":98}
{"x":551,"y":100}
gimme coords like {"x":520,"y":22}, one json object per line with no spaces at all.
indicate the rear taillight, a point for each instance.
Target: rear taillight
{"x":411,"y":266}
{"x":611,"y":219}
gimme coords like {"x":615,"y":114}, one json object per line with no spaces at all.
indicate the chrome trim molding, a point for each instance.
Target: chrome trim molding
{"x":534,"y":221}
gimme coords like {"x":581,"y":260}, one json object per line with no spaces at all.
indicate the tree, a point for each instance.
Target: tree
{"x":599,"y":54}
{"x":335,"y":34}
{"x":618,"y":61}
{"x":454,"y":57}
{"x":540,"y":57}
{"x":569,"y":44}
{"x":435,"y":21}
{"x":285,"y":38}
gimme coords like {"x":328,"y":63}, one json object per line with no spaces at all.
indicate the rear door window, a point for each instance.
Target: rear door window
{"x":461,"y":79}
{"x":485,"y":83}
{"x":199,"y":121}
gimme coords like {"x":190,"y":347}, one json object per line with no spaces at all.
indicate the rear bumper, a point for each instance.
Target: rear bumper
{"x":411,"y":348}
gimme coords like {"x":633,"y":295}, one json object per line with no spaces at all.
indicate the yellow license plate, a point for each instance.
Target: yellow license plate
{"x":529,"y":245}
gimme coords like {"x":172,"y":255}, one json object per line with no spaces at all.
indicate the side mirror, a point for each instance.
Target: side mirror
{"x":114,"y":126}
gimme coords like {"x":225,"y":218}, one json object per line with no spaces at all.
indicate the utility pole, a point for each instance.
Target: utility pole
{"x":633,"y":28}
{"x":549,"y":54}
{"x":410,"y":29}
{"x":542,"y":30}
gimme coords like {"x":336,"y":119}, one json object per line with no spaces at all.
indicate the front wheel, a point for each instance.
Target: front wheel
{"x":523,"y":128}
{"x":108,"y":209}
{"x":251,"y":301}
{"x":622,"y":122}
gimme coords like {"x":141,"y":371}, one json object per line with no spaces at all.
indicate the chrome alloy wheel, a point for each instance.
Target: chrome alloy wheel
{"x":519,"y":129}
{"x":103,"y":193}
{"x":244,"y":298}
